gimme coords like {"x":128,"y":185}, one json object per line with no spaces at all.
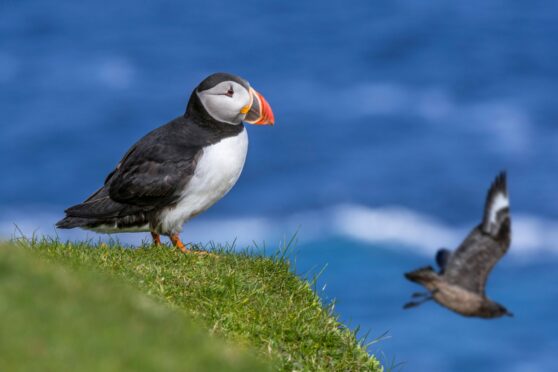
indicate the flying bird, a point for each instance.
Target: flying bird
{"x":180,"y":169}
{"x":460,"y":283}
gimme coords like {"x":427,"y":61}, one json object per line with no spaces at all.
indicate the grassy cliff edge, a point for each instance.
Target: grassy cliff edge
{"x":254,"y":302}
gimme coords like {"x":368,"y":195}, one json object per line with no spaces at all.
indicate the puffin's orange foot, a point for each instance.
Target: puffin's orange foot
{"x":175,"y":239}
{"x":156,"y":239}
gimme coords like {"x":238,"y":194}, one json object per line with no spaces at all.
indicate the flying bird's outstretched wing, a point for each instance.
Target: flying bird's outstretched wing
{"x":470,"y":265}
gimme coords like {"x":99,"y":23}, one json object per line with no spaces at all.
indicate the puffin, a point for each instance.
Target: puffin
{"x":180,"y":169}
{"x":460,"y":283}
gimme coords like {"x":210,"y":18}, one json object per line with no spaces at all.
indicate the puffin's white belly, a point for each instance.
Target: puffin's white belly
{"x":216,"y":173}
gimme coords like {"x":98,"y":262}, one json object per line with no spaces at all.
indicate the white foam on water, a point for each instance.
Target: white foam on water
{"x":530,"y":234}
{"x":393,"y":227}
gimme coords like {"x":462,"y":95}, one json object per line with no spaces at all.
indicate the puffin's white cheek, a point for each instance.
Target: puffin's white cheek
{"x":220,"y":108}
{"x":223,"y":107}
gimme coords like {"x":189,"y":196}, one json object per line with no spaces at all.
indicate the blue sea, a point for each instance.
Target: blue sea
{"x":392,"y":119}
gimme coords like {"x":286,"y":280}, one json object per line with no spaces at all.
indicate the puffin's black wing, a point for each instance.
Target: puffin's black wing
{"x":152,"y":174}
{"x":99,"y":204}
{"x":470,"y":265}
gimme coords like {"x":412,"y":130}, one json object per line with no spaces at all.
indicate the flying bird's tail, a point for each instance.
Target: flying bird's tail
{"x":496,"y":220}
{"x":424,"y":275}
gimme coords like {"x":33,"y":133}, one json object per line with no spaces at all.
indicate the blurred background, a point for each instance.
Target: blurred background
{"x":392,"y":119}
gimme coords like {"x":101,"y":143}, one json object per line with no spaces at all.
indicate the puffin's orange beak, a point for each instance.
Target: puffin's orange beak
{"x":259,"y":112}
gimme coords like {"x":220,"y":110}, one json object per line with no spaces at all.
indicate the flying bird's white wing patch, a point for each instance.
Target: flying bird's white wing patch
{"x":496,"y":209}
{"x":499,"y":202}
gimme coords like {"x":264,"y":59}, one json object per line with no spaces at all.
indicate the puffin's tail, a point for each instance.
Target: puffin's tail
{"x":98,"y":209}
{"x":85,"y":215}
{"x":71,"y":222}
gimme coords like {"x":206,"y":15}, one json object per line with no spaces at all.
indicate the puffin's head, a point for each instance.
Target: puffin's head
{"x":230,"y":99}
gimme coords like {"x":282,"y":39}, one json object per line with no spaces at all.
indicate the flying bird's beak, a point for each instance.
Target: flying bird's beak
{"x":258,"y":112}
{"x":509,"y":314}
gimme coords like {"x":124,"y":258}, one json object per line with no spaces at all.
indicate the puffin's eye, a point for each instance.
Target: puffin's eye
{"x":230,"y":92}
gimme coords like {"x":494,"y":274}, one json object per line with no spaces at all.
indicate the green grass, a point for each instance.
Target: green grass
{"x":254,"y":302}
{"x":57,"y":319}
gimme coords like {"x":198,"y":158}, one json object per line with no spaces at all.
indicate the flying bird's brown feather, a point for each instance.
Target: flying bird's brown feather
{"x":470,"y":265}
{"x":460,"y":284}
